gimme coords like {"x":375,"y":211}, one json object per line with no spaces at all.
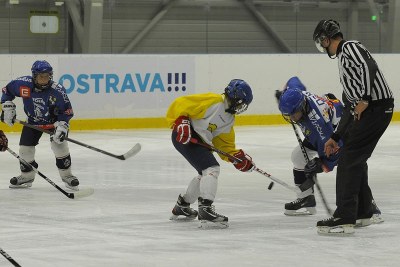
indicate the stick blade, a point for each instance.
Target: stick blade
{"x":83,"y":192}
{"x":132,"y":152}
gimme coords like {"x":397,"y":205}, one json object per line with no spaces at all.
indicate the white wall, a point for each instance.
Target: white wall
{"x":142,"y":90}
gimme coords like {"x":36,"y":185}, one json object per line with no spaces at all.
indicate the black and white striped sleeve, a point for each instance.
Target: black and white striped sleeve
{"x":360,"y":75}
{"x":366,"y":66}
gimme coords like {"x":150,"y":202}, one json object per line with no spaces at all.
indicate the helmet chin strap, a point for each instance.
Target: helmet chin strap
{"x":327,"y":51}
{"x":329,"y":55}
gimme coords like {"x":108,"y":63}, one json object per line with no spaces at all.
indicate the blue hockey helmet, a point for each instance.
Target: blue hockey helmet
{"x":295,"y":83}
{"x":291,"y":103}
{"x":239,"y":95}
{"x":41,"y":66}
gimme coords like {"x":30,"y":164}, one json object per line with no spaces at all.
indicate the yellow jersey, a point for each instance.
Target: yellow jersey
{"x":208,"y":119}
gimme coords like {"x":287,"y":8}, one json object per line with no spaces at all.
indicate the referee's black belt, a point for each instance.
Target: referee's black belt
{"x":381,"y":102}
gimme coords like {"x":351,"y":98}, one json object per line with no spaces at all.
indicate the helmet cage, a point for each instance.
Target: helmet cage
{"x":239,"y":106}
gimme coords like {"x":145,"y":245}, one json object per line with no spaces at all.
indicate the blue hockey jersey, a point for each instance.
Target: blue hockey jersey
{"x":323,"y":117}
{"x":42,"y":107}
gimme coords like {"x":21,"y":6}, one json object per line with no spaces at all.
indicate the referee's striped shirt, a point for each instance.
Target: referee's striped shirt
{"x":359,"y":74}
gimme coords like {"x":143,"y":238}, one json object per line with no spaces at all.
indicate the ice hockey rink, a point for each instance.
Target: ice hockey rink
{"x":126,"y":221}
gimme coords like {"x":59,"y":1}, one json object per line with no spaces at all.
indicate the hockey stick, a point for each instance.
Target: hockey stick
{"x":293,"y":188}
{"x":328,"y":209}
{"x":79,"y":194}
{"x":133,"y":151}
{"x":9,"y":258}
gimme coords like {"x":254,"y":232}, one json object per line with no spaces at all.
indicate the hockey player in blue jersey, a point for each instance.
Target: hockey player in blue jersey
{"x":317,"y":117}
{"x":46,"y":104}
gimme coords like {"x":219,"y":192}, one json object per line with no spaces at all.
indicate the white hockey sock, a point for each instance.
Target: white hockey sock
{"x":303,"y":194}
{"x":193,"y":190}
{"x":65,"y":173}
{"x":209,"y":183}
{"x":28,"y":154}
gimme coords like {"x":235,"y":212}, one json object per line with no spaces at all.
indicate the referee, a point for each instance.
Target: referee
{"x":367,"y":114}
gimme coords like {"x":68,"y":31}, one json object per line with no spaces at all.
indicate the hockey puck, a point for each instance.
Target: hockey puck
{"x":270,"y":185}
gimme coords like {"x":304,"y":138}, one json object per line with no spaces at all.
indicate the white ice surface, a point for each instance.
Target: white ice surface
{"x":125,"y":222}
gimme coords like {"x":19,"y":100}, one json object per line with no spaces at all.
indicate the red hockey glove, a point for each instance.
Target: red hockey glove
{"x":246,"y":164}
{"x":182,"y":127}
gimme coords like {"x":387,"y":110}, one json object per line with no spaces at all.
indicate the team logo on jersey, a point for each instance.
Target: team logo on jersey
{"x":4,"y":90}
{"x":52,"y":100}
{"x":24,"y":91}
{"x":325,"y":114}
{"x":212,"y":127}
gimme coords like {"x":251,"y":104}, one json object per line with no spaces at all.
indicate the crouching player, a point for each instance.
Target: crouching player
{"x":209,"y":118}
{"x":317,"y":118}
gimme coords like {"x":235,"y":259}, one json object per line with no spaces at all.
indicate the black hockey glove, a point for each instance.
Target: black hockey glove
{"x":3,"y":141}
{"x":313,"y":167}
{"x":278,"y":95}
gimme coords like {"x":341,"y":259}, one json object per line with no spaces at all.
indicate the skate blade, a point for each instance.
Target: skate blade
{"x":213,"y":225}
{"x":363,"y":223}
{"x":340,"y":230}
{"x":20,"y":186}
{"x":301,"y":212}
{"x":182,"y":218}
{"x":375,"y":219}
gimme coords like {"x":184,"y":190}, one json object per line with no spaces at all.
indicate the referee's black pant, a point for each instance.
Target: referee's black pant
{"x":353,"y":194}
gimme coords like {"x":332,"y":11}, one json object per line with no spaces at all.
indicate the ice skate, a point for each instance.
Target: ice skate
{"x":301,"y":206}
{"x":335,"y":227}
{"x":21,"y":182}
{"x":182,"y":211}
{"x":376,"y":217}
{"x":71,"y":182}
{"x":209,"y":218}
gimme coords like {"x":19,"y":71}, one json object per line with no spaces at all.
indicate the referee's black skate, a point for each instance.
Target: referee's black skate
{"x":208,"y":217}
{"x":336,"y":227}
{"x":301,"y":206}
{"x":21,"y":182}
{"x":376,"y":217}
{"x":183,"y":211}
